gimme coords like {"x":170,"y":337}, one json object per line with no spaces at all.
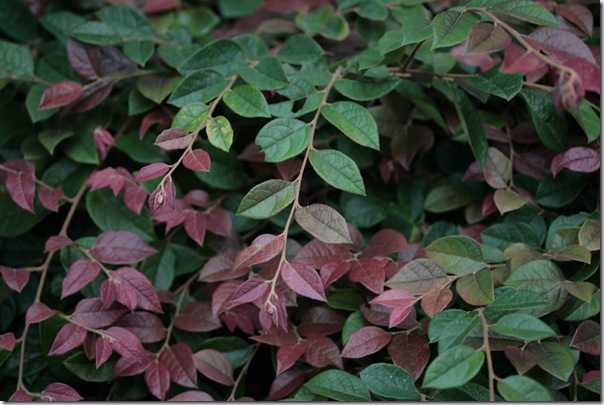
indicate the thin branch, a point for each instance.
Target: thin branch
{"x":487,"y":351}
{"x":242,"y":373}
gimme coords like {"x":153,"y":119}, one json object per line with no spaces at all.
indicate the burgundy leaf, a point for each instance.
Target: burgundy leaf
{"x":102,"y":140}
{"x":222,"y":295}
{"x":7,"y":341}
{"x":286,"y":383}
{"x":126,"y":295}
{"x":170,"y":193}
{"x":332,"y":271}
{"x":69,"y":337}
{"x":197,"y":317}
{"x":125,"y":367}
{"x":22,"y":189}
{"x":56,"y":242}
{"x":134,"y":197}
{"x":488,"y":205}
{"x":20,"y":396}
{"x":83,"y":59}
{"x":214,"y":365}
{"x":590,"y":375}
{"x":91,"y":97}
{"x":198,"y":198}
{"x":81,"y":272}
{"x":287,"y":356}
{"x":157,"y":116}
{"x":384,"y":243}
{"x":220,"y":268}
{"x":178,"y":359}
{"x":173,"y":139}
{"x":146,"y":296}
{"x":125,"y":343}
{"x":273,"y":312}
{"x":400,"y":300}
{"x":108,"y":177}
{"x":578,"y":159}
{"x":436,"y":300}
{"x":369,"y":272}
{"x":59,"y":392}
{"x":276,"y":337}
{"x":320,"y":321}
{"x":195,"y":226}
{"x":15,"y":278}
{"x":157,"y":378}
{"x":120,"y":247}
{"x":518,"y":60}
{"x":251,"y":290}
{"x":366,"y":341}
{"x":578,"y":15}
{"x":147,"y":327}
{"x":91,"y":313}
{"x":197,"y":160}
{"x":151,"y":171}
{"x":38,"y":312}
{"x":410,"y":352}
{"x":219,"y":222}
{"x":60,"y":94}
{"x":316,"y":253}
{"x":587,"y":338}
{"x":192,"y":396}
{"x":103,"y":351}
{"x":521,"y":359}
{"x":304,"y":280}
{"x":322,"y":352}
{"x":262,"y":249}
{"x":50,"y":197}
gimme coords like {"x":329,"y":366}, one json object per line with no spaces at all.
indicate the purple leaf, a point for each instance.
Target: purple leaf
{"x":173,"y":139}
{"x":15,"y":278}
{"x":90,"y":312}
{"x":7,"y":341}
{"x":578,"y":159}
{"x":60,"y":94}
{"x":120,"y":247}
{"x":103,"y":351}
{"x":197,"y":160}
{"x":157,"y":378}
{"x":125,"y":343}
{"x":151,"y":171}
{"x":80,"y":273}
{"x":22,"y":189}
{"x":304,"y":280}
{"x":59,"y":392}
{"x":37,"y":313}
{"x":146,"y":296}
{"x":366,"y":341}
{"x":145,"y":326}
{"x":56,"y":242}
{"x":49,"y":198}
{"x":195,"y":226}
{"x":69,"y":337}
{"x":178,"y":358}
{"x":214,"y":365}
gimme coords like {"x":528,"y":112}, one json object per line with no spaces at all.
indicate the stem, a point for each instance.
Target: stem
{"x":487,"y":350}
{"x":38,"y":182}
{"x":409,"y":58}
{"x":242,"y":373}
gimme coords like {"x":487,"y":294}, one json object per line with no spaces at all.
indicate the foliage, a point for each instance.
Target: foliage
{"x":351,"y":200}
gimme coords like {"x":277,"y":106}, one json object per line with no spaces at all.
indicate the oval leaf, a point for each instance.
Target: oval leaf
{"x":324,"y":223}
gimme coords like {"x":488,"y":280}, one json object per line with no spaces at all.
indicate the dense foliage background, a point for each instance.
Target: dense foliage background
{"x":304,"y":199}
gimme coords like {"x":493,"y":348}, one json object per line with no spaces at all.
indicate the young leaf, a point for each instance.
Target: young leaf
{"x":283,"y":138}
{"x":144,"y":293}
{"x":370,"y":272}
{"x":247,"y":101}
{"x":324,"y":223}
{"x":173,"y":139}
{"x":147,"y":327}
{"x":578,"y":159}
{"x":453,"y":368}
{"x":354,"y":121}
{"x":519,"y":388}
{"x":20,"y":396}
{"x":338,"y":170}
{"x":195,"y":226}
{"x":120,"y":247}
{"x":390,"y":381}
{"x":37,"y":313}
{"x":486,"y":37}
{"x":267,"y":199}
{"x":125,"y":343}
{"x":22,"y":189}
{"x":90,"y":312}
{"x":157,"y":378}
{"x":251,"y":290}
{"x":56,"y":242}
{"x":60,"y":94}
{"x":435,"y":300}
{"x":507,"y":201}
{"x":366,"y":341}
{"x":385,"y":242}
{"x":80,"y":273}
{"x":298,"y":49}
{"x":151,"y":171}
{"x":197,"y":317}
{"x":339,"y":385}
{"x":214,"y":365}
{"x":14,"y":278}
{"x":522,"y":326}
{"x":220,"y":132}
{"x":69,"y":337}
{"x":521,"y":359}
{"x":60,"y":392}
{"x":50,"y":198}
{"x":304,"y":280}
{"x":451,"y":27}
{"x":178,"y":359}
{"x":262,"y":249}
{"x":7,"y":341}
{"x":476,"y":288}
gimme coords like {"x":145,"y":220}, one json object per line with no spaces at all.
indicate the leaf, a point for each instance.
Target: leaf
{"x":220,"y":132}
{"x":389,"y":381}
{"x":560,"y":191}
{"x":120,"y":247}
{"x":151,"y":171}
{"x":37,"y":313}
{"x":435,"y":300}
{"x":587,"y":338}
{"x":470,"y":122}
{"x":324,"y":223}
{"x":366,"y":341}
{"x":85,"y":369}
{"x":477,"y":288}
{"x":451,"y":327}
{"x":125,"y":343}
{"x":201,"y":86}
{"x":192,"y":396}
{"x":520,"y":389}
{"x":486,"y":37}
{"x":20,"y":396}
{"x":370,"y":272}
{"x":521,"y":359}
{"x":418,"y":276}
{"x":453,"y":368}
{"x":587,"y":119}
{"x":195,"y":226}
{"x":501,"y":235}
{"x":247,"y":101}
{"x":90,"y":312}
{"x":303,"y":279}
{"x":451,"y":27}
{"x":298,"y":49}
{"x":214,"y":365}
{"x":51,"y":138}
{"x":554,"y":358}
{"x":251,"y":290}
{"x":410,"y":352}
{"x":268,"y":74}
{"x":513,"y":300}
{"x":15,"y":278}
{"x":267,"y":199}
{"x":365,"y":90}
{"x":197,"y":317}
{"x":385,"y":242}
{"x":525,"y":10}
{"x":578,"y":159}
{"x":522,"y":326}
{"x":197,"y":160}
{"x":338,"y":170}
{"x":60,"y":94}
{"x":507,"y":201}
{"x":158,"y":86}
{"x":400,"y":300}
{"x":283,"y":138}
{"x":146,"y":296}
{"x":59,"y":392}
{"x":262,"y":249}
{"x":445,"y":198}
{"x":178,"y":359}
{"x":50,"y":198}
{"x":147,"y":327}
{"x":339,"y":385}
{"x":456,"y":254}
{"x":7,"y":341}
{"x":222,"y":56}
{"x":189,"y":118}
{"x":157,"y":378}
{"x":493,"y":81}
{"x":15,"y":61}
{"x":354,"y":121}
{"x":173,"y":139}
{"x":22,"y":189}
{"x":69,"y":337}
{"x":80,"y":273}
{"x":95,"y":33}
{"x":287,"y":355}
{"x":589,"y":235}
{"x":550,"y":123}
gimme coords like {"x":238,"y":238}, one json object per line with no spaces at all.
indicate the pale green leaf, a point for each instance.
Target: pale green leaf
{"x":518,"y":388}
{"x":283,"y":138}
{"x":266,"y":199}
{"x":338,"y":170}
{"x":456,"y":254}
{"x":220,"y":132}
{"x":354,"y":121}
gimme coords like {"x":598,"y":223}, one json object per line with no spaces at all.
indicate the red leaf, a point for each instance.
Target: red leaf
{"x":521,"y":359}
{"x":590,"y":375}
{"x":157,"y":378}
{"x":151,"y":171}
{"x":178,"y":359}
{"x":108,"y":177}
{"x":134,"y":197}
{"x":60,"y":94}
{"x":276,"y":337}
{"x":384,"y":243}
{"x":197,"y":317}
{"x":81,"y":272}
{"x":125,"y":367}
{"x":7,"y":341}
{"x":146,"y":296}
{"x":332,"y":271}
{"x":147,"y":327}
{"x":578,"y":159}
{"x":322,"y":352}
{"x":56,"y":242}
{"x":219,"y":222}
{"x":320,"y":321}
{"x":262,"y":249}
{"x":195,"y":226}
{"x":220,"y":268}
{"x":37,"y":313}
{"x":286,"y":383}
{"x":197,"y":160}
{"x":157,"y":116}
{"x":400,"y":300}
{"x":410,"y":352}
{"x":287,"y":356}
{"x":366,"y":341}
{"x":22,"y":189}
{"x":103,"y":351}
{"x":49,"y":198}
{"x":173,"y":139}
{"x":273,"y":312}
{"x":251,"y":290}
{"x":15,"y":278}
{"x":518,"y":60}
{"x":20,"y":396}
{"x":587,"y":338}
{"x":369,"y":272}
{"x":92,"y":96}
{"x":59,"y":392}
{"x":578,"y":15}
{"x":304,"y":280}
{"x":192,"y":396}
{"x":214,"y":365}
{"x":90,"y":312}
{"x":199,"y":198}
{"x":69,"y":337}
{"x":158,"y":6}
{"x":436,"y":300}
{"x":488,"y":205}
{"x":125,"y":343}
{"x":102,"y":139}
{"x":222,"y":295}
{"x":120,"y":247}
{"x":85,"y":62}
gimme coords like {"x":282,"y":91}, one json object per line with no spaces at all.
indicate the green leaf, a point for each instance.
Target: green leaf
{"x":159,"y":268}
{"x":51,"y":138}
{"x":587,"y":309}
{"x":346,"y":300}
{"x":254,"y":47}
{"x":373,"y":10}
{"x":470,"y":122}
{"x":220,"y":132}
{"x":554,"y":358}
{"x":526,"y":10}
{"x":338,"y":170}
{"x":456,"y":254}
{"x":589,"y":235}
{"x":247,"y":101}
{"x":514,"y":300}
{"x":453,"y":368}
{"x":126,"y":21}
{"x":17,"y":22}
{"x":452,"y":27}
{"x":81,"y":148}
{"x":141,"y":150}
{"x":15,"y":61}
{"x":445,"y":198}
{"x":109,"y":213}
{"x":389,"y":381}
{"x":504,"y":234}
{"x":522,"y":326}
{"x":550,"y":123}
{"x":226,"y":171}
{"x":588,"y":120}
{"x":354,"y":121}
{"x":339,"y":385}
{"x":157,"y":87}
{"x":139,"y":51}
{"x":415,"y":28}
{"x":353,"y":323}
{"x":364,"y":212}
{"x":234,"y":348}
{"x":266,"y":75}
{"x":298,"y":49}
{"x":283,"y":138}
{"x":32,"y":101}
{"x":238,"y":8}
{"x":223,"y":56}
{"x":198,"y":21}
{"x":418,"y":276}
{"x":190,"y":117}
{"x":364,"y":89}
{"x":561,"y":190}
{"x":336,"y":28}
{"x":499,"y":84}
{"x":60,"y":24}
{"x":95,"y":33}
{"x":86,"y":369}
{"x":477,"y":289}
{"x":266,"y":199}
{"x":451,"y":327}
{"x":518,"y":388}
{"x":200,"y":86}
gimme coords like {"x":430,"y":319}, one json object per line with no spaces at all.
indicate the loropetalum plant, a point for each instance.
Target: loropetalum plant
{"x":352,"y":200}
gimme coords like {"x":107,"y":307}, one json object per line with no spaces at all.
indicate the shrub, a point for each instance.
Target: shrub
{"x":362,"y":199}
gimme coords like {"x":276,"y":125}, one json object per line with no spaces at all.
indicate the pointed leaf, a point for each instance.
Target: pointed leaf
{"x":247,"y":101}
{"x":214,"y":365}
{"x":453,"y":368}
{"x":578,"y":159}
{"x":485,"y":37}
{"x":587,"y":338}
{"x":22,"y":189}
{"x":125,"y":343}
{"x":7,"y":341}
{"x":173,"y":139}
{"x":146,"y":296}
{"x":435,"y":300}
{"x":80,"y":273}
{"x":14,"y":278}
{"x":456,"y":254}
{"x":59,"y":392}
{"x":338,"y":170}
{"x":37,"y":313}
{"x":249,"y":291}
{"x":324,"y":223}
{"x":56,"y":242}
{"x":267,"y":199}
{"x":354,"y":121}
{"x":451,"y":27}
{"x":157,"y":378}
{"x":299,"y":48}
{"x":477,"y":288}
{"x":60,"y":94}
{"x":519,"y":388}
{"x":410,"y":352}
{"x":283,"y":138}
{"x":151,"y":171}
{"x":366,"y":341}
{"x":339,"y":385}
{"x":522,"y":326}
{"x":507,"y":200}
{"x":120,"y":247}
{"x":304,"y":280}
{"x":220,"y":132}
{"x":262,"y":249}
{"x":148,"y":328}
{"x":287,"y":355}
{"x":470,"y":122}
{"x":389,"y":381}
{"x":418,"y":276}
{"x":195,"y":226}
{"x":69,"y":337}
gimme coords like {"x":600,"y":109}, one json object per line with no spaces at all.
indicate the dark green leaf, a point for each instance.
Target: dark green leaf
{"x":519,"y":388}
{"x":452,"y":27}
{"x":200,"y":86}
{"x":354,"y":121}
{"x":222,"y":56}
{"x":15,"y":61}
{"x":267,"y":198}
{"x":339,"y":385}
{"x":79,"y":364}
{"x":470,"y":123}
{"x":247,"y":101}
{"x":283,"y":138}
{"x":453,"y":368}
{"x":363,"y":89}
{"x":456,"y":254}
{"x":526,"y":10}
{"x":499,"y":84}
{"x":549,"y":122}
{"x":587,"y":118}
{"x":389,"y":381}
{"x":338,"y":170}
{"x":298,"y":49}
{"x":266,"y":75}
